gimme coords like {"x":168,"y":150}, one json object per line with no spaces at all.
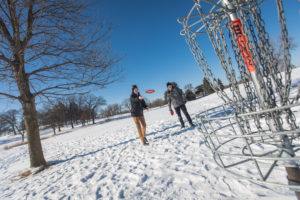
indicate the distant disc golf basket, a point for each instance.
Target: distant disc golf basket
{"x":253,"y":134}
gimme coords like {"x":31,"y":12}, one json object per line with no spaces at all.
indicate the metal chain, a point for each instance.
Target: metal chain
{"x":251,"y":97}
{"x":291,"y":119}
{"x":286,"y":46}
{"x":235,"y":86}
{"x":214,"y":38}
{"x":265,"y":54}
{"x":203,"y":63}
{"x":270,"y":62}
{"x":200,"y":59}
{"x":218,"y":49}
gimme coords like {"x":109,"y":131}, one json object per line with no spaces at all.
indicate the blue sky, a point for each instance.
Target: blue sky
{"x":146,"y":35}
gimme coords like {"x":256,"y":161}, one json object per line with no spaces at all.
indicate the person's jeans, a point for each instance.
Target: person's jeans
{"x":141,"y":127}
{"x":183,"y":109}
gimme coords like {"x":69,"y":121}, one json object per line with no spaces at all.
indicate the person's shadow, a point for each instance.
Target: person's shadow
{"x":54,"y":162}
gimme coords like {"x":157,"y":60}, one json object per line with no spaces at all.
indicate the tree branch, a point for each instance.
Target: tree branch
{"x":30,"y":20}
{"x":48,"y":68}
{"x":9,"y":96}
{"x":6,"y":32}
{"x":2,"y":57}
{"x":14,"y":20}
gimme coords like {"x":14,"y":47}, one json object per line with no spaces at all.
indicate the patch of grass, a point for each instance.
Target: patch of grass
{"x":27,"y":173}
{"x":6,"y":147}
{"x":40,"y":168}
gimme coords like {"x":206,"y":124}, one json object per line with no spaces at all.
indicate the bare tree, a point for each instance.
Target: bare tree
{"x":4,"y":126}
{"x":278,"y":52}
{"x":10,"y":117}
{"x":83,"y":111}
{"x":84,"y":115}
{"x":49,"y":48}
{"x":158,"y":103}
{"x":48,"y":118}
{"x":60,"y":114}
{"x":12,"y":122}
{"x":21,"y":129}
{"x":111,"y":110}
{"x":126,"y":104}
{"x":188,"y":87}
{"x":93,"y":103}
{"x":72,"y":110}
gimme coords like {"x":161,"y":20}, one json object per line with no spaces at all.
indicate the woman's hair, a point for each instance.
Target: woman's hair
{"x":133,"y":87}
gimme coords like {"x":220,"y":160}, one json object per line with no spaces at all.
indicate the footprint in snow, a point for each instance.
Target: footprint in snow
{"x":121,"y":194}
{"x":87,"y":177}
{"x":144,"y":179}
{"x":206,"y":167}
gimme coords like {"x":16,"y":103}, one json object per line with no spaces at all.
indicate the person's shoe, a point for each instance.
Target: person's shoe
{"x":145,"y":139}
{"x":182,"y":126}
{"x":146,"y":144}
{"x":192,"y":125}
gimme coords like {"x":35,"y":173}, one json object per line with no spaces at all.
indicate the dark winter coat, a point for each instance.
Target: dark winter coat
{"x":137,"y":105}
{"x":176,"y":97}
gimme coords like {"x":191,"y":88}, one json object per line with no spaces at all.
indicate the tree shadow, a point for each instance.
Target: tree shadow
{"x":54,"y":162}
{"x":10,"y":140}
{"x":166,"y":136}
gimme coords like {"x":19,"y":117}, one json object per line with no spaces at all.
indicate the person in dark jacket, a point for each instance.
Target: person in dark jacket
{"x":176,"y":97}
{"x":137,"y":106}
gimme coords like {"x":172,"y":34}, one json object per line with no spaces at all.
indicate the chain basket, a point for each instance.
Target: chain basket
{"x":254,"y":134}
{"x":253,"y":153}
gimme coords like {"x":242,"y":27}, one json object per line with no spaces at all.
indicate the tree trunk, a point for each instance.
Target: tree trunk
{"x":29,"y":112}
{"x":53,"y":128}
{"x":93,"y":116}
{"x":33,"y":134}
{"x":14,"y":130}
{"x":23,"y":134}
{"x":72,"y":123}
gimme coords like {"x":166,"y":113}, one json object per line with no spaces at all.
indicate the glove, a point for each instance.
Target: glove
{"x":172,"y":112}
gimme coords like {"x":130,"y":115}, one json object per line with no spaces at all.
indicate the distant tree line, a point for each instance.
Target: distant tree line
{"x":84,"y":109}
{"x":72,"y":110}
{"x":12,"y":122}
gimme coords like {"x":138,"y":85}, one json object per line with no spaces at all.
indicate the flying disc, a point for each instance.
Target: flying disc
{"x":150,"y":91}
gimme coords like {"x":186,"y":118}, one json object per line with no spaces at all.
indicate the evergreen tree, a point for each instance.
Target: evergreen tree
{"x":207,"y":86}
{"x":199,"y":90}
{"x":190,"y":95}
{"x":220,"y":84}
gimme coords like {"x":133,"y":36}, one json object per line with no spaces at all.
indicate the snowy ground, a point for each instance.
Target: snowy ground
{"x":107,"y":161}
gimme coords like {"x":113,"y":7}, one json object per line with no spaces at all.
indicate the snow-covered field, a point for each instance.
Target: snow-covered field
{"x":108,"y":161}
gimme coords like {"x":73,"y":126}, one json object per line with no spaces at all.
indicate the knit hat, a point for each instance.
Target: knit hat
{"x":133,"y":87}
{"x":168,"y":83}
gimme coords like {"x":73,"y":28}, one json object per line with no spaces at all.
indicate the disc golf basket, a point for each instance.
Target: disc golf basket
{"x":253,"y":134}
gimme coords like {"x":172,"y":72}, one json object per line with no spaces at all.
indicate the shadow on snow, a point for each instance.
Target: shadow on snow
{"x":54,"y":162}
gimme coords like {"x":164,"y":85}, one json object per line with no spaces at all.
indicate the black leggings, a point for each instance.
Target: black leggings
{"x":183,"y":108}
